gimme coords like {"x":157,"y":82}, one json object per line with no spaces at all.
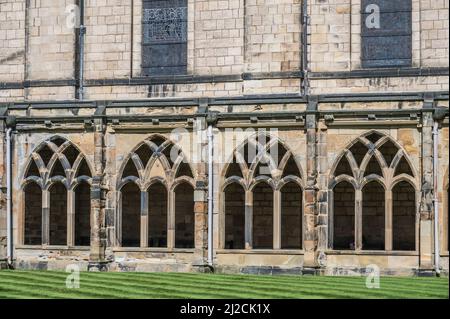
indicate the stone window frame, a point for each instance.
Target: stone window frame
{"x":388,"y":181}
{"x":144,"y":182}
{"x":70,"y":181}
{"x":136,"y":45}
{"x":248,"y":182}
{"x":356,"y":38}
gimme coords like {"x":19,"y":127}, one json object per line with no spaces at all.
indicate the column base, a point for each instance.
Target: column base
{"x":426,"y":273}
{"x":4,"y":264}
{"x":313,"y":271}
{"x":98,"y":266}
{"x":203,"y":269}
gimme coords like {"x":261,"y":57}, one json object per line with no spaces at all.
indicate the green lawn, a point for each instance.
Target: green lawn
{"x":23,"y":284}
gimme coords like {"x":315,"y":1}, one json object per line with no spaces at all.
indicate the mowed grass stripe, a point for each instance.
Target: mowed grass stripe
{"x":292,"y":291}
{"x":201,"y":288}
{"x":25,"y":292}
{"x":48,"y":290}
{"x":126,"y":290}
{"x":106,"y":291}
{"x":357,"y":286}
{"x":398,"y":284}
{"x":297,"y":290}
{"x":155,"y":290}
{"x":249,"y":287}
{"x":255,"y":277}
{"x":250,"y":293}
{"x":169,"y":285}
{"x":418,"y":281}
{"x":45,"y":291}
{"x":160,"y":275}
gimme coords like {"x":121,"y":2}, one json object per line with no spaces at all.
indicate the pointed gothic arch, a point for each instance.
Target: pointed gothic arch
{"x":156,"y":166}
{"x":263,"y":185}
{"x":373,"y":164}
{"x":54,"y":171}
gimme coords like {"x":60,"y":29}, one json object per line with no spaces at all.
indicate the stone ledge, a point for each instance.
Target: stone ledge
{"x":372,"y":253}
{"x":153,"y":250}
{"x":257,"y":270}
{"x":52,"y":248}
{"x":260,"y":252}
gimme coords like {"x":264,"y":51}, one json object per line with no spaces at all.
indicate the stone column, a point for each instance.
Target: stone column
{"x":70,"y":218}
{"x":331,"y":220}
{"x":144,"y":219}
{"x":45,"y":217}
{"x":199,"y":154}
{"x":277,"y":219}
{"x":249,"y":220}
{"x":97,"y":260}
{"x":310,"y":238}
{"x":388,"y":221}
{"x":358,"y":219}
{"x":171,"y":219}
{"x":322,"y":194}
{"x":426,"y":203}
{"x":201,"y":227}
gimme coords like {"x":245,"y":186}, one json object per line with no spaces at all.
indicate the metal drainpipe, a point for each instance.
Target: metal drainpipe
{"x":210,"y":193}
{"x":435,"y":199}
{"x":305,"y":22}
{"x":9,"y":233}
{"x":81,"y":52}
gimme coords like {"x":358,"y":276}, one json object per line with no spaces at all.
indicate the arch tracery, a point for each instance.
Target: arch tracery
{"x":373,"y":158}
{"x":262,"y":196}
{"x":59,"y":170}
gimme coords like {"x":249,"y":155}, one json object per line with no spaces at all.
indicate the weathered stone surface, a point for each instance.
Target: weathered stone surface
{"x":312,"y":212}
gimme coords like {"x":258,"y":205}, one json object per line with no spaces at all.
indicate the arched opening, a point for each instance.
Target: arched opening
{"x":157,"y":215}
{"x":389,"y":150}
{"x":71,"y":154}
{"x":171,"y":153}
{"x":33,"y":170}
{"x":291,"y":168}
{"x":373,"y":168}
{"x":130,"y":170}
{"x":131,"y":215}
{"x":374,"y":137}
{"x":234,"y":169}
{"x":344,"y":216}
{"x":184,"y":170}
{"x":46,"y":154}
{"x":83,"y":214}
{"x":33,"y":214}
{"x":404,"y":217}
{"x":58,"y":169}
{"x":359,"y":151}
{"x":58,"y":215}
{"x":145,"y":153}
{"x":234,"y":217}
{"x":343,"y":167}
{"x":262,"y":217}
{"x":373,"y":217}
{"x":83,"y":169}
{"x":58,"y":141}
{"x":291,"y":216}
{"x":184,"y":216}
{"x":403,"y":167}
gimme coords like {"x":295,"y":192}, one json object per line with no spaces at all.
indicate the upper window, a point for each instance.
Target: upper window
{"x":164,"y":43}
{"x":386,"y":33}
